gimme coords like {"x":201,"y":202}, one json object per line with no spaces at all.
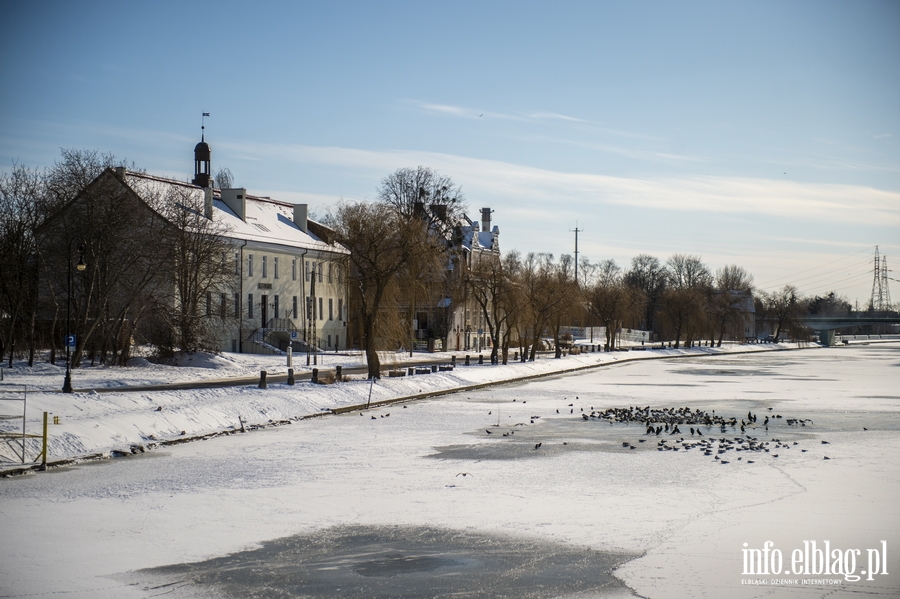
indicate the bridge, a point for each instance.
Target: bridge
{"x":825,"y":326}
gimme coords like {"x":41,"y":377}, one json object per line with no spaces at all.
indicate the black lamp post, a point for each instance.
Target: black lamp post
{"x":67,"y":384}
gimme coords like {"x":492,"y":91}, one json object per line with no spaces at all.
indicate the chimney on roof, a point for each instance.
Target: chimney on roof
{"x":486,"y":219}
{"x":121,"y":171}
{"x":208,"y":203}
{"x":236,"y":199}
{"x":300,"y":217}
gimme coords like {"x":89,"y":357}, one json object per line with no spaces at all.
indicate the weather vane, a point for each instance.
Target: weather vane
{"x":203,"y":125}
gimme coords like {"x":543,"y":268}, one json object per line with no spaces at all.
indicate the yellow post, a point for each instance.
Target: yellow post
{"x":44,"y":445}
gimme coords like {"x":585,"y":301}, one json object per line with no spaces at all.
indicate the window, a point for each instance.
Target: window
{"x":294,"y":271}
{"x":209,"y":303}
{"x":320,"y":272}
{"x":275,"y":267}
{"x":320,"y":309}
{"x":329,"y":340}
{"x":306,"y":276}
{"x":330,"y":280}
{"x":294,"y":312}
{"x":223,"y":305}
{"x":249,"y":265}
{"x":330,"y":309}
{"x":249,"y":305}
{"x":276,"y":306}
{"x":237,"y":305}
{"x":340,"y":308}
{"x":265,"y":267}
{"x":237,"y":263}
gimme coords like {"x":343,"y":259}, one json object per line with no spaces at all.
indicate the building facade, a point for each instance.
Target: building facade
{"x":476,"y":241}
{"x":280,"y":283}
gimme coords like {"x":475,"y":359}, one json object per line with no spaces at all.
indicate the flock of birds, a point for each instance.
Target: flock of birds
{"x":671,"y":420}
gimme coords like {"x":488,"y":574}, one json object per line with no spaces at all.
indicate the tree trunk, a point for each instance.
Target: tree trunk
{"x":372,"y":361}
{"x":31,"y":339}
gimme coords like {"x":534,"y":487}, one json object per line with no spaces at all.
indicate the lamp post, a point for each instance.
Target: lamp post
{"x":67,"y":384}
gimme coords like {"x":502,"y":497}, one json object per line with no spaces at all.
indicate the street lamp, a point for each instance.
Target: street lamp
{"x":67,"y":384}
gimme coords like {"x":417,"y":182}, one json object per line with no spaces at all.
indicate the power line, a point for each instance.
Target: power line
{"x":773,"y":283}
{"x":834,"y":274}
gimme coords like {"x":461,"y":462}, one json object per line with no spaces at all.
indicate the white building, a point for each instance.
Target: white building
{"x":289,"y":284}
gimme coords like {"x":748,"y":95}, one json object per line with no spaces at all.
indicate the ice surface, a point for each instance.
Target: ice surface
{"x":79,"y":530}
{"x":369,"y":562}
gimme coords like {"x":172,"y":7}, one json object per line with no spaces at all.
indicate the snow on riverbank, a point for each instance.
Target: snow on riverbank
{"x":97,"y":423}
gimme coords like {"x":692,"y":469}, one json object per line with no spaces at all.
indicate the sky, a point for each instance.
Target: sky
{"x":762,"y":134}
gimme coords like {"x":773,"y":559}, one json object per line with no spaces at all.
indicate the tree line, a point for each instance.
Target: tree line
{"x":149,"y":270}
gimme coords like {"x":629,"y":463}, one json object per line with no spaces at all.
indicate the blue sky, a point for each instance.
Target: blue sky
{"x":763,"y":134}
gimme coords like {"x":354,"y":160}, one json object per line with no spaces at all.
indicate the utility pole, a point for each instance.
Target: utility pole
{"x":576,"y":231}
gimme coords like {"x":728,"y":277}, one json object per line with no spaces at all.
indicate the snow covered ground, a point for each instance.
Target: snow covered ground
{"x":92,"y":423}
{"x":425,"y":502}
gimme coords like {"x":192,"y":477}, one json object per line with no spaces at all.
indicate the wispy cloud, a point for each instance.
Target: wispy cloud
{"x":550,"y":191}
{"x":472,"y":113}
{"x":622,"y":151}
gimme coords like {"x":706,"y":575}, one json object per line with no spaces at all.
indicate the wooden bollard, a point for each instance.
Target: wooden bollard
{"x":262,"y":380}
{"x":290,"y":376}
{"x":315,"y":375}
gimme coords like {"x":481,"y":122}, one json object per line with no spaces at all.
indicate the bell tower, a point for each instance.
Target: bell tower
{"x":202,"y":155}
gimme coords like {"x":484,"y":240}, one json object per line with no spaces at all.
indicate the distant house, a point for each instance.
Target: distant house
{"x":741,"y":312}
{"x":444,"y":311}
{"x":467,"y":326}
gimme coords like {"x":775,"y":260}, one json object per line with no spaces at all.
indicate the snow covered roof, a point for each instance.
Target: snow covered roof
{"x":265,"y":220}
{"x":473,"y":238}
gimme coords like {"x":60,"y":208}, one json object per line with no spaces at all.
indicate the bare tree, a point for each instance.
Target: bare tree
{"x":382,"y":243}
{"x":224,"y":178}
{"x":120,"y":235}
{"x":424,"y":193}
{"x":730,"y":299}
{"x":683,"y":302}
{"x":613,"y":302}
{"x":686,"y":271}
{"x":784,"y":307}
{"x":73,"y":172}
{"x":648,"y":275}
{"x":545,"y":290}
{"x":491,"y":283}
{"x":202,"y":269}
{"x":21,"y":194}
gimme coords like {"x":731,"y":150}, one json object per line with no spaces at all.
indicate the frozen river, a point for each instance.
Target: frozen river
{"x":509,"y":491}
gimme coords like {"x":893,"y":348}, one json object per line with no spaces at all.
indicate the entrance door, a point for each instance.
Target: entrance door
{"x":264,"y":310}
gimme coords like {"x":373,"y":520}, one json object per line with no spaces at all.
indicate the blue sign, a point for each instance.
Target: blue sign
{"x":70,"y":341}
{"x":293,"y":334}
